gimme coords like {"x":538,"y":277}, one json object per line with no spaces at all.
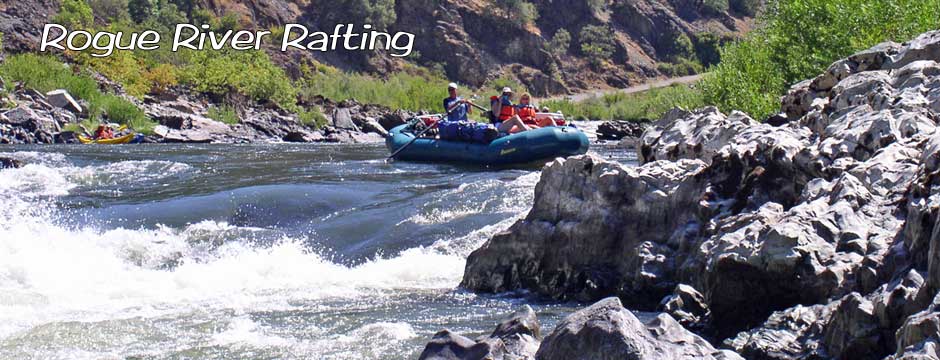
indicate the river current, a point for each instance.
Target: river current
{"x":247,"y":251}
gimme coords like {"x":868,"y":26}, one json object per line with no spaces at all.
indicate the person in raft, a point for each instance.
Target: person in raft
{"x":456,"y":107}
{"x":507,"y":120}
{"x":103,"y":132}
{"x":527,"y":112}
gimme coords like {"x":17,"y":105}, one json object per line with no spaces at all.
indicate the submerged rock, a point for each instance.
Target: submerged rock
{"x":10,"y":163}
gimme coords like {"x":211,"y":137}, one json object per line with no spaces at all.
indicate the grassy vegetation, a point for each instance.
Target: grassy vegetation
{"x":224,"y":113}
{"x":642,"y":106}
{"x":799,"y":39}
{"x":46,"y":73}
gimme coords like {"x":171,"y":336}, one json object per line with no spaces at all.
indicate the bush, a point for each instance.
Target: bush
{"x":682,"y":67}
{"x":716,"y":6}
{"x":708,"y":48}
{"x":223,"y":113}
{"x":560,"y":42}
{"x":799,"y":39}
{"x":596,"y":43}
{"x":75,"y":14}
{"x":520,"y":12}
{"x":248,"y":72}
{"x":745,"y":7}
{"x":111,"y":10}
{"x":312,"y":118}
{"x":161,"y":78}
{"x":643,"y":106}
{"x":677,"y":45}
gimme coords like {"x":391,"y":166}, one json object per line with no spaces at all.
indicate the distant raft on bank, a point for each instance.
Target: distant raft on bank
{"x":131,"y":138}
{"x":520,"y":148}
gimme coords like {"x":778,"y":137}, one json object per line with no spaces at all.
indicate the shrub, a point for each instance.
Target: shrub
{"x":560,"y":42}
{"x":677,"y":45}
{"x":248,"y":72}
{"x":596,"y":43}
{"x":716,"y":6}
{"x":223,"y":113}
{"x":798,"y":39}
{"x":111,"y":10}
{"x":745,"y":7}
{"x":161,"y":78}
{"x":74,"y":14}
{"x":520,"y":12}
{"x":682,"y":67}
{"x":141,"y":10}
{"x":708,"y":47}
{"x":312,"y":118}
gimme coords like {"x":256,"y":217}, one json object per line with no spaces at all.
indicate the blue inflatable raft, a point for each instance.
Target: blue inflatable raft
{"x":519,"y":148}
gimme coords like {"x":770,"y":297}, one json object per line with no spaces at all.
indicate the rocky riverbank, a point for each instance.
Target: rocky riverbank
{"x":28,"y":116}
{"x":810,"y":236}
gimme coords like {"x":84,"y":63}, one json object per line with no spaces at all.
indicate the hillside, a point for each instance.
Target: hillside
{"x":610,"y":44}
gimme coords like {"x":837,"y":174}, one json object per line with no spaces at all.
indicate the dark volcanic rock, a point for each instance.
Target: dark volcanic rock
{"x":8,"y":163}
{"x":515,"y":338}
{"x":814,"y":238}
{"x":606,"y":330}
{"x":618,"y":129}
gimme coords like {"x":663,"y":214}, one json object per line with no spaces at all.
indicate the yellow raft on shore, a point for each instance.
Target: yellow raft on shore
{"x":112,"y":141}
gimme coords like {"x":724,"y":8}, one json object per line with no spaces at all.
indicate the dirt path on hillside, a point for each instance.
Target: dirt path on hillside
{"x":630,"y":90}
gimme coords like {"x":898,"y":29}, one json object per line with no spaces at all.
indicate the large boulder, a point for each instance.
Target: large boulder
{"x":619,"y":129}
{"x":61,"y":98}
{"x":606,"y":330}
{"x":596,"y":228}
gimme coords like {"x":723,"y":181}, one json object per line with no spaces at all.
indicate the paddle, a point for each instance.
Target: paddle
{"x":418,"y":135}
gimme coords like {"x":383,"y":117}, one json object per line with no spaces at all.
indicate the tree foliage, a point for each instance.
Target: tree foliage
{"x":799,"y":39}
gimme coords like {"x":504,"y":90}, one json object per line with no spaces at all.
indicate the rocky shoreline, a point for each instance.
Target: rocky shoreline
{"x":811,"y":236}
{"x":32,"y":117}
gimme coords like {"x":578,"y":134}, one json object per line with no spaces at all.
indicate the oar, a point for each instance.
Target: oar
{"x":418,"y":135}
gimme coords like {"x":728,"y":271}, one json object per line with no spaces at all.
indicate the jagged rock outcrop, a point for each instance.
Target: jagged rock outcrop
{"x":816,"y":235}
{"x":567,"y":246}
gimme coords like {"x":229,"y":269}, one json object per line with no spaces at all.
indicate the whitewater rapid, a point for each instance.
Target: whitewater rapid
{"x":60,"y":274}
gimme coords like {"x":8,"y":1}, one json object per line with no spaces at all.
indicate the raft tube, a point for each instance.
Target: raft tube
{"x":520,"y":148}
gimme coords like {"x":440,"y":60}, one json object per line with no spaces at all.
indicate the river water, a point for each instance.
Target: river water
{"x":247,"y":251}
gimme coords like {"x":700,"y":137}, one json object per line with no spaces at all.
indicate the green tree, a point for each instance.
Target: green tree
{"x":141,"y":10}
{"x":798,"y":39}
{"x":75,"y":14}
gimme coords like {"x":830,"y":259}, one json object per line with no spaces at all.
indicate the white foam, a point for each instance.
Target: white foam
{"x":54,"y":273}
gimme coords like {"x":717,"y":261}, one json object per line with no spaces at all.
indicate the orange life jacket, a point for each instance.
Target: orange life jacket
{"x":527,"y":113}
{"x":506,"y":112}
